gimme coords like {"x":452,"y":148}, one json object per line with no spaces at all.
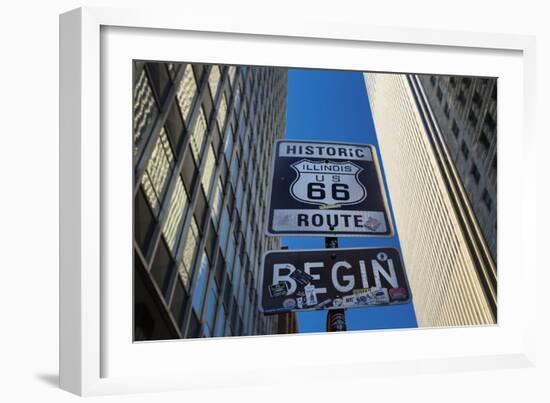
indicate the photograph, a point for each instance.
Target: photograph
{"x":273,"y":200}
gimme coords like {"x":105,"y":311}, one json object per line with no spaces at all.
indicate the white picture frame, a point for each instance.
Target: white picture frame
{"x":96,"y":354}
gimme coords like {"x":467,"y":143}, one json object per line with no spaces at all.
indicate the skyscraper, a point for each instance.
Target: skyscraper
{"x":465,"y":109}
{"x":449,"y":264}
{"x":203,"y":137}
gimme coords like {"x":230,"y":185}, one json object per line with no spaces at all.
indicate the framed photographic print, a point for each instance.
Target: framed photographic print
{"x":231,"y":195}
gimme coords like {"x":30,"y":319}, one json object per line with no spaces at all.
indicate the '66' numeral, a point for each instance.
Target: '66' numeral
{"x":316,"y":191}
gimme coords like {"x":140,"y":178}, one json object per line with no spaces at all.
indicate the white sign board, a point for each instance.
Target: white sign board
{"x":326,"y":189}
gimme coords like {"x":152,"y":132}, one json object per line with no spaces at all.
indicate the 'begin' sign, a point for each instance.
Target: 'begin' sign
{"x":294,"y":280}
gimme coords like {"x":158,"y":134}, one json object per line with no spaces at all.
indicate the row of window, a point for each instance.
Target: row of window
{"x":457,"y":88}
{"x":487,"y":132}
{"x":159,"y":170}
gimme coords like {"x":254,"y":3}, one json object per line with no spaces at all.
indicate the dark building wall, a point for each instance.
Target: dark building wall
{"x":202,"y":141}
{"x":287,"y":323}
{"x":466,"y":111}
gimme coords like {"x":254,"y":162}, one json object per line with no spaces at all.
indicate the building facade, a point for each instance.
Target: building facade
{"x":288,"y":323}
{"x":450,"y":269}
{"x":202,"y":144}
{"x":466,"y":110}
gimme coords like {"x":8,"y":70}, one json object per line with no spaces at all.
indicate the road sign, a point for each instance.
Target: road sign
{"x":326,"y":189}
{"x":336,"y":279}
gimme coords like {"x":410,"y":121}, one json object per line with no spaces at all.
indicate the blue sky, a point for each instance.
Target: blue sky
{"x":333,"y":105}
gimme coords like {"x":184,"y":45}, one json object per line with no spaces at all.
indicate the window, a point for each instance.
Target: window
{"x":253,"y":111}
{"x":239,"y":326}
{"x":228,"y":143}
{"x":198,"y":135}
{"x":201,"y":207}
{"x":220,"y":322}
{"x":246,"y":148}
{"x":432,"y":80}
{"x":194,"y":326}
{"x":477,"y":99}
{"x":237,"y":98}
{"x":455,"y":129}
{"x":172,"y":69}
{"x":200,"y":286}
{"x":189,"y":253}
{"x":144,"y":221}
{"x":179,"y":300}
{"x":231,"y":250}
{"x":484,"y":141}
{"x":145,"y":324}
{"x":236,"y":277}
{"x":490,"y":122}
{"x":174,"y":126}
{"x":234,"y":172}
{"x":162,"y":263}
{"x":465,"y":150}
{"x":145,"y":111}
{"x":240,"y":191}
{"x":446,"y":110}
{"x":211,"y":303}
{"x":217,"y":202}
{"x":223,"y":171}
{"x":231,"y":73}
{"x":461,"y":98}
{"x":214,"y":80}
{"x":439,"y":94}
{"x":178,"y":205}
{"x":466,"y":81}
{"x":227,"y":293}
{"x":228,"y":330}
{"x":242,"y":126}
{"x":208,"y":173}
{"x":245,"y":209}
{"x":159,"y":167}
{"x":472,"y":117}
{"x":246,"y":310}
{"x":234,"y":309}
{"x":187,"y":89}
{"x":222,"y":113}
{"x":211,"y":243}
{"x":160,"y":80}
{"x":487,"y":199}
{"x":242,"y":291}
{"x":475,"y":173}
{"x":238,"y":149}
{"x":220,"y":269}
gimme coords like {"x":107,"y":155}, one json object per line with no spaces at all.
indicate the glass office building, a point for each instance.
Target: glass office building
{"x":450,"y":268}
{"x":202,"y":142}
{"x":466,"y":111}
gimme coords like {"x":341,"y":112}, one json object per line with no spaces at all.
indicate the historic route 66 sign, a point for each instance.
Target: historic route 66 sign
{"x":326,"y":189}
{"x":327,"y":183}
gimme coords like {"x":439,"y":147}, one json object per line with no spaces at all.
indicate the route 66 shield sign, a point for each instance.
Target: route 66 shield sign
{"x":327,"y":182}
{"x":326,"y":189}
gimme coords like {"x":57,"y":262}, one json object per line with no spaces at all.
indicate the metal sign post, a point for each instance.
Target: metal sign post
{"x":336,"y":318}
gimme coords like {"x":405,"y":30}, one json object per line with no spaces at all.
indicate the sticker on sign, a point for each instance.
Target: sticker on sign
{"x":326,"y":189}
{"x":336,"y":278}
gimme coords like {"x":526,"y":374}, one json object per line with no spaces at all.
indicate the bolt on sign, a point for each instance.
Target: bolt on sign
{"x":326,"y":189}
{"x":302,"y":280}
